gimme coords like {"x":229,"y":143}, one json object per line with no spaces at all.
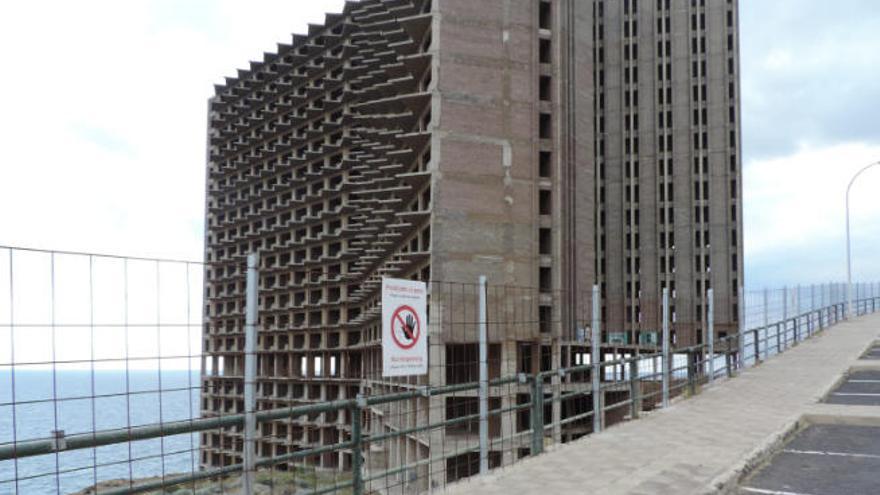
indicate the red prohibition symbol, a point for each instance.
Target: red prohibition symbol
{"x":405,"y":327}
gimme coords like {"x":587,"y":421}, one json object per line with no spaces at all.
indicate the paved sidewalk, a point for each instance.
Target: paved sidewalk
{"x":701,"y":445}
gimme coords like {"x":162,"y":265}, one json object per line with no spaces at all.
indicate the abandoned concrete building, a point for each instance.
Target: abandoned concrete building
{"x":548,"y":144}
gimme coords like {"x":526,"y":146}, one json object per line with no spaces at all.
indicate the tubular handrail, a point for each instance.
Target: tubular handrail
{"x":536,"y":382}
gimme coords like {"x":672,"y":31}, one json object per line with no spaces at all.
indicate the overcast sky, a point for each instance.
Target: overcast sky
{"x":103,"y":115}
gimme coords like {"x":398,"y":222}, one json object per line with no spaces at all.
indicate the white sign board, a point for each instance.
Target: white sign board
{"x":404,"y":328}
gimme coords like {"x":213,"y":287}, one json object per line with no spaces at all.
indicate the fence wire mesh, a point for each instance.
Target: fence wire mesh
{"x":96,"y":343}
{"x":123,"y":375}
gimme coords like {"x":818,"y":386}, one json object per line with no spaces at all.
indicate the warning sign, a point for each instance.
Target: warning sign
{"x":404,"y":328}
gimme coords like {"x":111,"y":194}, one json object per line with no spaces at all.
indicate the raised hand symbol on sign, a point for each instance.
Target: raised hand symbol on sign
{"x":409,"y":327}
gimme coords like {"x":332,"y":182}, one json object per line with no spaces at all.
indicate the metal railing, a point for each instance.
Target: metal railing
{"x":786,"y":334}
{"x":599,"y":393}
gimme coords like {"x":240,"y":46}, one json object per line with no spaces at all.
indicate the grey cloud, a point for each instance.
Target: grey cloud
{"x":826,"y":88}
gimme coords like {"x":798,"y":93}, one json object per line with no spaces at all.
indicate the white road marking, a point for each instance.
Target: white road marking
{"x":863,"y":381}
{"x":832,"y":454}
{"x":843,"y":394}
{"x":769,"y":492}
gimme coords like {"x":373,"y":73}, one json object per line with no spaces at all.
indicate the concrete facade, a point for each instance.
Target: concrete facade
{"x":669,"y":165}
{"x":440,"y":141}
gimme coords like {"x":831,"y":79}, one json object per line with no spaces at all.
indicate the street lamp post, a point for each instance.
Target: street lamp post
{"x":849,"y":291}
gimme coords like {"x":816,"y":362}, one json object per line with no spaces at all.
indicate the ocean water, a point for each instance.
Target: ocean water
{"x":120,"y":400}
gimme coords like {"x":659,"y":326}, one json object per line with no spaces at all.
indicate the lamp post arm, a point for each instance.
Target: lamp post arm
{"x":849,"y":292}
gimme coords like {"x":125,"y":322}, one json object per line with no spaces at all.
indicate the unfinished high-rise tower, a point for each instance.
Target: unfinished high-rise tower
{"x":549,"y":145}
{"x":668,"y":165}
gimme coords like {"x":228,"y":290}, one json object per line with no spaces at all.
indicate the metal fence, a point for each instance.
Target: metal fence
{"x":96,"y":345}
{"x":106,"y":387}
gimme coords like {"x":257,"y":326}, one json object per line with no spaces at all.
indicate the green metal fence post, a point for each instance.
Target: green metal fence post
{"x":757,"y":342}
{"x":635,"y":389}
{"x":596,"y":362}
{"x":692,"y":372}
{"x":357,"y":460}
{"x":728,"y":360}
{"x":537,"y":414}
{"x":779,"y":339}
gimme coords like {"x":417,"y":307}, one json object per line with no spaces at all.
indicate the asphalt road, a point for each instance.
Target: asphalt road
{"x":823,"y":460}
{"x":861,"y":388}
{"x":873,"y":353}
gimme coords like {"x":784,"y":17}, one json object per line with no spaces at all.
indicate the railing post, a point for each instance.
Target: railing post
{"x":635,"y":389}
{"x":832,"y":303}
{"x":853,"y":308}
{"x":596,"y":361}
{"x":728,"y":361}
{"x":357,"y":460}
{"x":692,"y":357}
{"x":665,"y":347}
{"x":757,"y":346}
{"x":766,"y":323}
{"x":784,"y":317}
{"x":779,"y":338}
{"x":484,"y":380}
{"x":796,"y":302}
{"x":711,"y":339}
{"x":839,"y":309}
{"x":874,"y":301}
{"x":250,"y":374}
{"x":829,"y":302}
{"x":741,"y":338}
{"x":797,"y":314}
{"x":859,"y":296}
{"x":537,"y":414}
{"x":810,"y":324}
